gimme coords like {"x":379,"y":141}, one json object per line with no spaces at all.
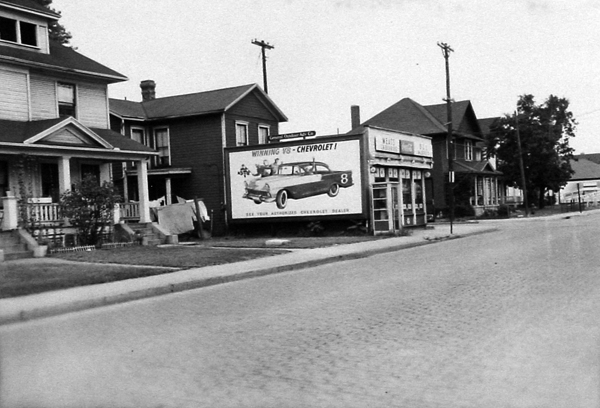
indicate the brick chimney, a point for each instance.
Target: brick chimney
{"x":148,"y":90}
{"x":355,"y":116}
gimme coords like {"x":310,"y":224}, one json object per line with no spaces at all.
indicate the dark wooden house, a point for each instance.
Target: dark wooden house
{"x":190,"y":132}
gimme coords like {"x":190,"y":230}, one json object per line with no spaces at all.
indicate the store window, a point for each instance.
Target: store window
{"x":418,"y":184}
{"x":406,"y":190}
{"x":380,"y":174}
{"x":66,"y":100}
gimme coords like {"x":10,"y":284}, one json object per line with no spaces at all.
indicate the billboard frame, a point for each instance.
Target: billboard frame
{"x":364,"y":179}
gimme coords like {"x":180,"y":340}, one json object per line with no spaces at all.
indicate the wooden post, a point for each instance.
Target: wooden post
{"x":200,"y":231}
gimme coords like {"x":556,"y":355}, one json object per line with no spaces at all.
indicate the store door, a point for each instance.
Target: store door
{"x":381,"y":215}
{"x":396,"y":213}
{"x":407,"y":197}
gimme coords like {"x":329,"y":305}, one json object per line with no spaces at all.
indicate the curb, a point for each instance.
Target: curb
{"x":63,"y":305}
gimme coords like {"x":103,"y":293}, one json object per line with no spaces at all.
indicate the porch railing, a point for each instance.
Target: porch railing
{"x":43,"y":213}
{"x":129,"y":211}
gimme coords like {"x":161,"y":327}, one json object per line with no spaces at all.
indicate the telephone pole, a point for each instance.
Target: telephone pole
{"x":446,"y":50}
{"x":264,"y":45}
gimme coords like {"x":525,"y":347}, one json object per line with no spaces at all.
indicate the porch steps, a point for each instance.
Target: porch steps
{"x":13,"y":248}
{"x":146,"y":233}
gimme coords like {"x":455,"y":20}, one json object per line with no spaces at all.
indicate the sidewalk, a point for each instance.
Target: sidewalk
{"x":85,"y":297}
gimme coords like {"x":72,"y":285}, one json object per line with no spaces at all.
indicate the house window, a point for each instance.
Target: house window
{"x":241,"y":134}
{"x":18,"y":31}
{"x":49,"y":173}
{"x":66,"y":100}
{"x":90,"y":170}
{"x":140,"y":136}
{"x":161,"y":137}
{"x":263,"y":134}
{"x":468,"y":150}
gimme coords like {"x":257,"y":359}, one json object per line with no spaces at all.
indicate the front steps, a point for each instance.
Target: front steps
{"x":13,"y":246}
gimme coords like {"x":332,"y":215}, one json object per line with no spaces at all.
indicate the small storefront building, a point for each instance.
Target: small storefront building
{"x":377,"y":177}
{"x":399,"y":166}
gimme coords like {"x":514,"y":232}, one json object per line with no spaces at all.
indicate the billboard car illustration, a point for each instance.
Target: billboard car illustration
{"x":295,"y":181}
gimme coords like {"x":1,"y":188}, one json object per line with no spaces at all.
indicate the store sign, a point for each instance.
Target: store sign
{"x":407,"y":147}
{"x":387,"y":144}
{"x":400,"y":143}
{"x":316,"y":177}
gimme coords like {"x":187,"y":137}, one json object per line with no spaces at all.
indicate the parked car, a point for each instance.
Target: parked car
{"x":297,"y":180}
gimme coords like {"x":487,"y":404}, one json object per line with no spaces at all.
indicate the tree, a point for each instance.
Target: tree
{"x":89,"y":207}
{"x":57,"y":31}
{"x":544,"y":131}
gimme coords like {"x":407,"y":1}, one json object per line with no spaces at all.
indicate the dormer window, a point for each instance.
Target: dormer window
{"x":66,"y":100}
{"x":18,"y":32}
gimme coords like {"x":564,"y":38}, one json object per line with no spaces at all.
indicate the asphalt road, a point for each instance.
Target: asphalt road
{"x":506,"y":319}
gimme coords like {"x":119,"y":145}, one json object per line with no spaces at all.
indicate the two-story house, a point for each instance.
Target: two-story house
{"x":54,"y":119}
{"x":477,"y":184}
{"x":190,"y":132}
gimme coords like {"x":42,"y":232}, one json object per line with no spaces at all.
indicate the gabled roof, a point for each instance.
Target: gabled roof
{"x":486,"y":123}
{"x":479,"y":167}
{"x":463,"y":118}
{"x":30,"y":5}
{"x":585,"y":169}
{"x":60,"y":59}
{"x":410,"y":116}
{"x":200,"y":103}
{"x":42,"y":132}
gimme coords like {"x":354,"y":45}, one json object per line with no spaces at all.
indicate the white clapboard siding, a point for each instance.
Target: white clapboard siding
{"x":42,"y":33}
{"x":92,"y":107}
{"x":43,"y":98}
{"x":13,"y":95}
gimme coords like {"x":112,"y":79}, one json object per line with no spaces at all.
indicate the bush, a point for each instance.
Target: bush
{"x":461,"y":211}
{"x":89,"y":207}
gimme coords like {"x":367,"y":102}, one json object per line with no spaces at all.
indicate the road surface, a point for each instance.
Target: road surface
{"x":505,"y":319}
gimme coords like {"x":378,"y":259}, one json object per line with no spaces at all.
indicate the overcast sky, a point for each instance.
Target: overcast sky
{"x":331,"y":54}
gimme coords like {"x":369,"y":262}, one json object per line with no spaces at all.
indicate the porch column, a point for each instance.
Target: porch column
{"x":168,"y":189}
{"x":474,"y":191}
{"x":496,"y":201}
{"x":125,"y":185}
{"x":105,"y":172}
{"x":64,"y":174}
{"x":10,"y":220}
{"x":142,"y":179}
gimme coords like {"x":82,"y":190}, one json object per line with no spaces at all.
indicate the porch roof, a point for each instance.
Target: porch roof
{"x":15,"y":133}
{"x":475,"y":167}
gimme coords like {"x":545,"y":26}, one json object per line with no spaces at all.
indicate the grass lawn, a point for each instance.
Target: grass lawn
{"x":20,"y":278}
{"x":71,"y":269}
{"x":25,"y":277}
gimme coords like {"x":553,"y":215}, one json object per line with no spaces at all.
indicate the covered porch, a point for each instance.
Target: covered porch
{"x":481,"y":186}
{"x":41,"y":160}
